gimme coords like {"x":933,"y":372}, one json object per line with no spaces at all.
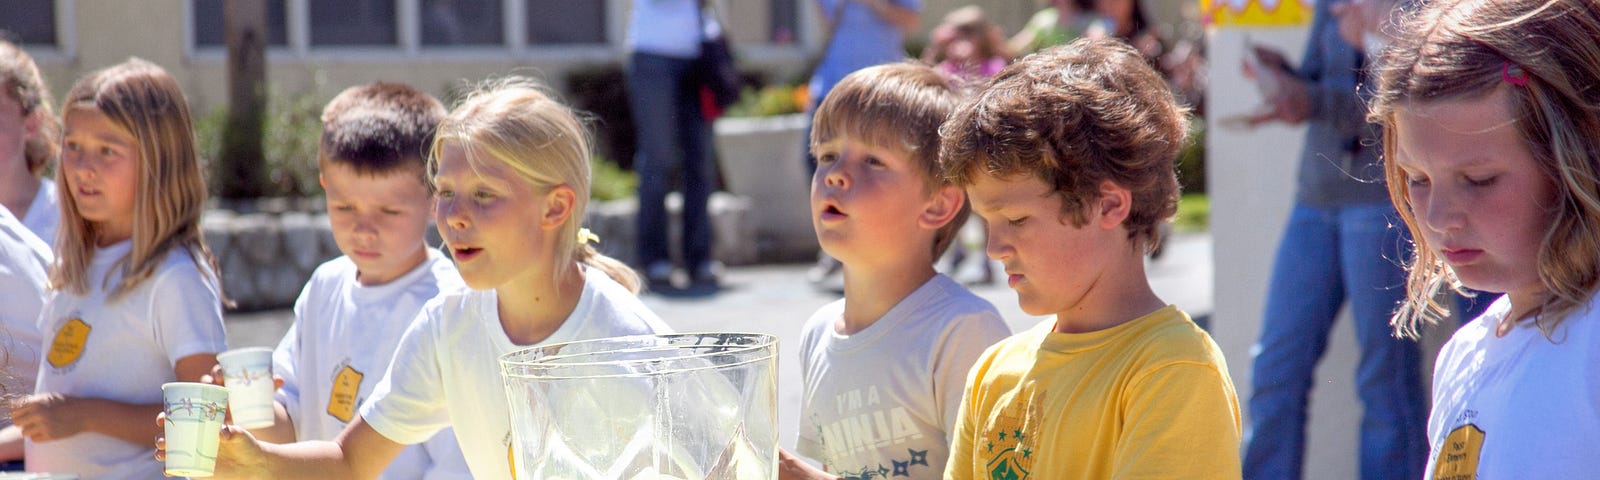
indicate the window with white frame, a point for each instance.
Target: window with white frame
{"x":565,"y":22}
{"x":510,"y":25}
{"x":783,"y":24}
{"x":208,"y":23}
{"x":463,"y":22}
{"x":29,"y":22}
{"x":346,"y":23}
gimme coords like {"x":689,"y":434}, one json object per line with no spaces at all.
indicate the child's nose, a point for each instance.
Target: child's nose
{"x":996,"y":247}
{"x":366,"y":227}
{"x":1442,"y":213}
{"x":834,"y":177}
{"x":449,"y":214}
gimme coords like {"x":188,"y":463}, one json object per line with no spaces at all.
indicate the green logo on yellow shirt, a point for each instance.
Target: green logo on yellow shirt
{"x":1005,"y":440}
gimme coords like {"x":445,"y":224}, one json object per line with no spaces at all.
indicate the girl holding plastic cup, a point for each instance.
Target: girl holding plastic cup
{"x":511,"y":167}
{"x":137,"y":300}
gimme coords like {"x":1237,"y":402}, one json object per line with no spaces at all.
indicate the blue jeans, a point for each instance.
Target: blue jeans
{"x":673,"y":137}
{"x":1330,"y":256}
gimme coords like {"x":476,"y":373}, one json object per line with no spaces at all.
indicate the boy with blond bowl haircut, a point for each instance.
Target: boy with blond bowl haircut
{"x":1068,"y":155}
{"x":884,"y":367}
{"x":351,"y":314}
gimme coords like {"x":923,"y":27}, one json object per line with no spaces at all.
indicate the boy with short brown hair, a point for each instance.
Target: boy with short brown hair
{"x":351,"y":314}
{"x":1068,"y":155}
{"x":883,"y":368}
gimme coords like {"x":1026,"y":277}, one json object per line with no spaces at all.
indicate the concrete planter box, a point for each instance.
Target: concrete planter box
{"x":762,"y":160}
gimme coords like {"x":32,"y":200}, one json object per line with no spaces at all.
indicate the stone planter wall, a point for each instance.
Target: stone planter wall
{"x":763,"y":159}
{"x":267,"y":257}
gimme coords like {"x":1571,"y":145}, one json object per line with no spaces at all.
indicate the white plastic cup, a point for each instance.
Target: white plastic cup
{"x":248,"y":374}
{"x":193,"y":427}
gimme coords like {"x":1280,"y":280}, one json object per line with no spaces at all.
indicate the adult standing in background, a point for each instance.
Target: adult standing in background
{"x":859,"y":34}
{"x":673,"y":135}
{"x":1342,"y":244}
{"x":30,"y":138}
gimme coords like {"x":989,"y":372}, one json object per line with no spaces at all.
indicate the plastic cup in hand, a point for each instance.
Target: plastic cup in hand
{"x":248,"y":374}
{"x":194,"y":423}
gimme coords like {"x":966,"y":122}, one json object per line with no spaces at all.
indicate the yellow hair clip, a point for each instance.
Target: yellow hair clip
{"x":587,"y":236}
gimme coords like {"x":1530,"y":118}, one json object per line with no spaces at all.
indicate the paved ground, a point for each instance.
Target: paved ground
{"x":776,"y":299}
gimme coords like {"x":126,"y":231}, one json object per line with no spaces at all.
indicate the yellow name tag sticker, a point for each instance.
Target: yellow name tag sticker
{"x":67,"y":346}
{"x":342,"y":400}
{"x":1458,"y":457}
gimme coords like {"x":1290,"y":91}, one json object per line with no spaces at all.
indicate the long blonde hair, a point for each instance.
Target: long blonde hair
{"x":144,"y":100}
{"x":1466,"y":49}
{"x":515,"y":122}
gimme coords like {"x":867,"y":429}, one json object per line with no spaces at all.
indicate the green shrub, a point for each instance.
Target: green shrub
{"x":609,"y":181}
{"x":290,"y":134}
{"x":766,"y":101}
{"x":1194,"y":213}
{"x":1192,"y":159}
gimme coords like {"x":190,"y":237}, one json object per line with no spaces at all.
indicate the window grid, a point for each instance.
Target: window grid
{"x":409,"y":41}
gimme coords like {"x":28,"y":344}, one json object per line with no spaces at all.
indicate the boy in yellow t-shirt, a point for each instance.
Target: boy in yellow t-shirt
{"x":1068,"y":155}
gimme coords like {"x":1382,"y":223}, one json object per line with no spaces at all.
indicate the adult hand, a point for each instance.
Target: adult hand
{"x":1291,"y":103}
{"x":1352,"y":23}
{"x":1361,"y":21}
{"x":1286,"y":96}
{"x":50,"y":416}
{"x":238,"y":453}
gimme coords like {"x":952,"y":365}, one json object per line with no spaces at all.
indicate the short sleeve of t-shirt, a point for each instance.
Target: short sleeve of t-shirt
{"x":407,"y":406}
{"x":962,"y":345}
{"x":186,"y":312}
{"x":283,"y":365}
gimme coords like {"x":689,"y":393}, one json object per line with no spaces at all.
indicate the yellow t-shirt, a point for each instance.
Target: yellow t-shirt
{"x":1150,"y":398}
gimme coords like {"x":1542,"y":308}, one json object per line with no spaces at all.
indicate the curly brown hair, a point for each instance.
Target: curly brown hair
{"x":1074,"y":116}
{"x":20,"y":79}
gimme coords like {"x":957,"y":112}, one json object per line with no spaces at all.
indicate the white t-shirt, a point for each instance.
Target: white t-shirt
{"x":24,"y":284}
{"x":1519,"y":406}
{"x":343,"y":339}
{"x":122,"y":350}
{"x":44,"y":214}
{"x":446,"y":372}
{"x":883,"y":401}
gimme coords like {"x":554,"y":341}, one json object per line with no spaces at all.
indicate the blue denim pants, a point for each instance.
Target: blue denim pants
{"x":1328,"y":257}
{"x":673,"y":139}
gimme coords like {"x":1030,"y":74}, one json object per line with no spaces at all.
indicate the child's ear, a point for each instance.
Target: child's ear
{"x":558,"y":205}
{"x":30,"y":125}
{"x":322,"y":182}
{"x":1113,"y":206}
{"x":945,"y":203}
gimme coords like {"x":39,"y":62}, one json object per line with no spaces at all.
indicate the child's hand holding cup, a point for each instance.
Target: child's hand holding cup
{"x":247,"y":372}
{"x":194,"y":413}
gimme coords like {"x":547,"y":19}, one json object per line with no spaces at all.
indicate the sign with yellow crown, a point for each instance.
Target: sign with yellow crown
{"x":1255,"y":13}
